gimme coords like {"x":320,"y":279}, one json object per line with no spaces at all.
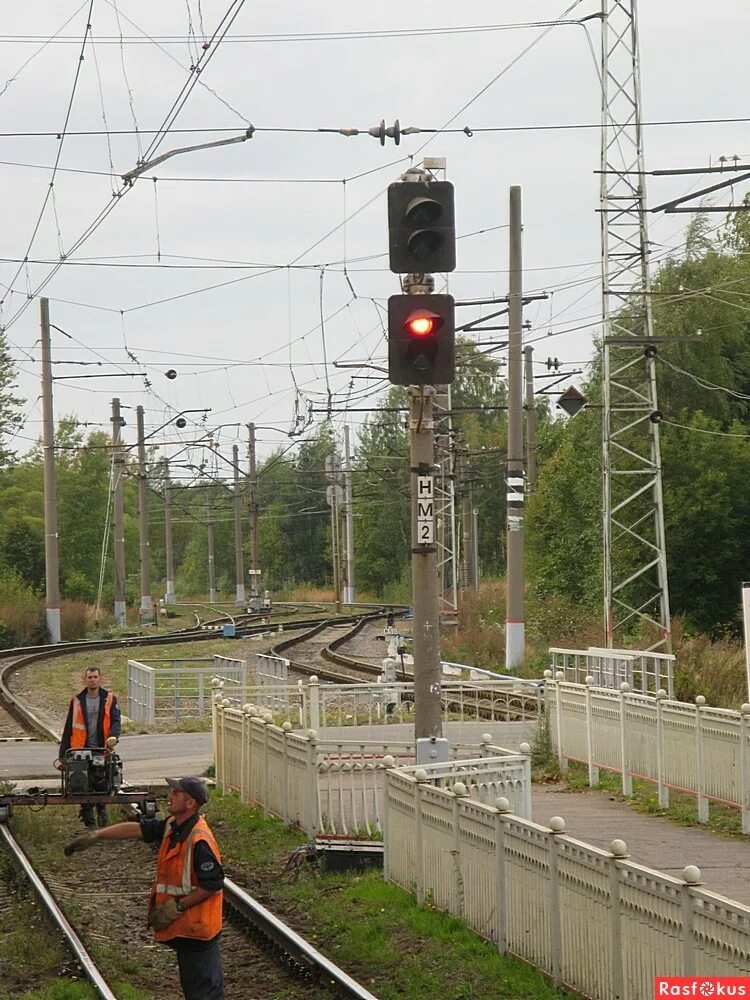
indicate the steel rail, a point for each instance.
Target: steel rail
{"x":275,"y":930}
{"x":329,"y":675}
{"x":25,"y":655}
{"x":293,"y":945}
{"x":43,"y":894}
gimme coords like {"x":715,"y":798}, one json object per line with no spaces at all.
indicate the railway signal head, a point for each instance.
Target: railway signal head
{"x":421,"y":339}
{"x":421,"y":227}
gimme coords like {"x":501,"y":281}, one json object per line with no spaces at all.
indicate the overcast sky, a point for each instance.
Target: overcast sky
{"x":277,"y":219}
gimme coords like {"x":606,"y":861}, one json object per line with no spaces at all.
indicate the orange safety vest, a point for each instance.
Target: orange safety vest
{"x":175,"y":877}
{"x":79,"y":733}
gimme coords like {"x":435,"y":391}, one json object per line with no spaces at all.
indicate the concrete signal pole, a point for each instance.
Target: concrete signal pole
{"x":515,"y":627}
{"x":212,"y":593}
{"x":333,"y":491}
{"x":253,"y":484}
{"x":146,"y":612}
{"x":428,"y":719}
{"x":170,"y":597}
{"x":51,"y":567}
{"x":238,"y":563}
{"x":349,"y":597}
{"x":119,"y":514}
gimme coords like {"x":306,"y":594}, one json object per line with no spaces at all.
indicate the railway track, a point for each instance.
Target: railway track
{"x":314,"y":650}
{"x":18,"y":719}
{"x":262,"y":956}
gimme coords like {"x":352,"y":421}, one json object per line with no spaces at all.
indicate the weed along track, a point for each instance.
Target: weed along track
{"x":103,"y":925}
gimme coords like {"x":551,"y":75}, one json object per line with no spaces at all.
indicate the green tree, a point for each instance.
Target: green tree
{"x":11,"y":418}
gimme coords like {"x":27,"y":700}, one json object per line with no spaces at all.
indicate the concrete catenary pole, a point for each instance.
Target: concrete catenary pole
{"x":424,"y":569}
{"x":119,"y":514}
{"x":528,"y":369}
{"x":170,"y":597}
{"x":212,"y":594}
{"x":238,"y":562}
{"x":467,"y":521}
{"x":475,"y":542}
{"x":349,"y":595}
{"x":51,"y":566}
{"x":253,"y":484}
{"x":332,"y":464}
{"x":146,"y":612}
{"x":514,"y":616}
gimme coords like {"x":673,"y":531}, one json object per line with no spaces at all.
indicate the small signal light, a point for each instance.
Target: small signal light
{"x":421,"y":324}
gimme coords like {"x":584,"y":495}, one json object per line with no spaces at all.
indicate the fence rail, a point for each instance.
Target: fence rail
{"x":592,"y":919}
{"x":175,"y":689}
{"x":677,"y":745}
{"x":643,"y":670}
{"x":312,"y":705}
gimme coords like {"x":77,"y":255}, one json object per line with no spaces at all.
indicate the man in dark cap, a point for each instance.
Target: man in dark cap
{"x":185,"y":906}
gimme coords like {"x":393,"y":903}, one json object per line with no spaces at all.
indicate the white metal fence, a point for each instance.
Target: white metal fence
{"x":311,"y":705}
{"x":337,"y":786}
{"x":690,"y":748}
{"x":643,"y":670}
{"x":272,"y":679}
{"x":592,"y":919}
{"x":176,"y":689}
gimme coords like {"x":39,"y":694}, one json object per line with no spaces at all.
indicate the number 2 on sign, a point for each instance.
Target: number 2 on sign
{"x":424,"y":532}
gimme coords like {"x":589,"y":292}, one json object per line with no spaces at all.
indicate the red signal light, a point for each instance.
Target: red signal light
{"x":422,"y":324}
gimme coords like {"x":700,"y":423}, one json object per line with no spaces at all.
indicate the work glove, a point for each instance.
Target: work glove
{"x":112,"y":742}
{"x":81,"y":843}
{"x":161,"y":917}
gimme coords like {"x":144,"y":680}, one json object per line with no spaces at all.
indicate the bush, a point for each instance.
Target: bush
{"x":22,"y":612}
{"x":714,"y":668}
{"x":6,"y":637}
{"x":73,"y":619}
{"x":78,"y":587}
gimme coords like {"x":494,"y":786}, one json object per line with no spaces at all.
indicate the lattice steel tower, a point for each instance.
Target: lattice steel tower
{"x":635,"y":561}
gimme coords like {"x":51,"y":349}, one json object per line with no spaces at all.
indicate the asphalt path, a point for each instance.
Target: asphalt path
{"x":146,"y":758}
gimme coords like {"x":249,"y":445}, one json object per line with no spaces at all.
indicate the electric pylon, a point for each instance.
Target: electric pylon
{"x":635,"y":561}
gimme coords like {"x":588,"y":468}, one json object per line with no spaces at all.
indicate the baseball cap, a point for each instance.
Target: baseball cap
{"x":196,"y":787}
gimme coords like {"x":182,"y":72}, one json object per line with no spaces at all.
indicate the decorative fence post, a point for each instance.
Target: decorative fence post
{"x":313,"y":802}
{"x":593,"y":769}
{"x":246,"y":711}
{"x":225,"y":703}
{"x":561,"y":758}
{"x":745,"y":766}
{"x":661,"y":788}
{"x":459,"y":791}
{"x":692,"y":878}
{"x":216,"y":697}
{"x":525,"y":749}
{"x":286,"y":729}
{"x":619,"y":851}
{"x":627,"y":779}
{"x":420,"y":777}
{"x":501,"y":896}
{"x":314,"y":703}
{"x":387,"y":763}
{"x":700,"y":761}
{"x":556,"y":827}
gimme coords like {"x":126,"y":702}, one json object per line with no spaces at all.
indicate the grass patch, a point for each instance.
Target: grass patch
{"x":376,"y":931}
{"x":76,"y":990}
{"x":682,"y":810}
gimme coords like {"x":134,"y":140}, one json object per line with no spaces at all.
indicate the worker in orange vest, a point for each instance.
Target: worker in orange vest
{"x":93,"y":721}
{"x":185,"y":906}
